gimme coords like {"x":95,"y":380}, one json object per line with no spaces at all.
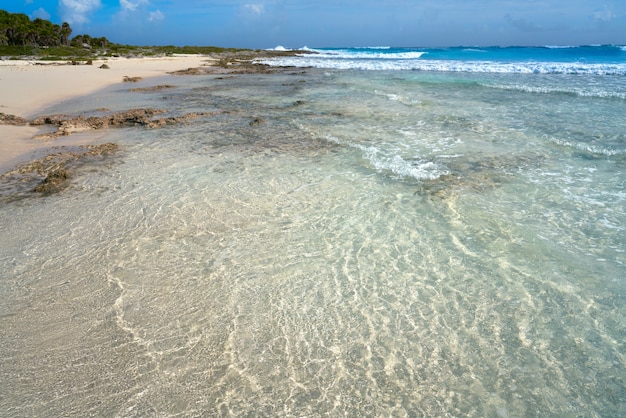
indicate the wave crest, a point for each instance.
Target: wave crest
{"x":410,"y":61}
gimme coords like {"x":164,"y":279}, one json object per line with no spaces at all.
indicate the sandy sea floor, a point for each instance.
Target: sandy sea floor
{"x":319,"y":243}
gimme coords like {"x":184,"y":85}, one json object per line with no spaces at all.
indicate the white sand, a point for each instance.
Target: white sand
{"x":26,"y":87}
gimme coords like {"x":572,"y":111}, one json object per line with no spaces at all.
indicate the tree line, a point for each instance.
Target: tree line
{"x":17,"y":29}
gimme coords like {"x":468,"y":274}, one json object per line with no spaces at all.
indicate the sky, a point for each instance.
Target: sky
{"x":337,"y":23}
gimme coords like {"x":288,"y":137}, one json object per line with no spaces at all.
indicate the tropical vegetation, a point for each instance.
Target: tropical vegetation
{"x":18,"y":30}
{"x":20,"y":36}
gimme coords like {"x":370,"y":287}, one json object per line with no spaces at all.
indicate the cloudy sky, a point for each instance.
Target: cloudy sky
{"x":319,"y":23}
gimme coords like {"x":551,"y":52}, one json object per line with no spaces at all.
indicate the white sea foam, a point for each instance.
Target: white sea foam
{"x":577,"y":91}
{"x":346,"y":54}
{"x":419,"y":170}
{"x":561,"y":46}
{"x":279,"y":48}
{"x":609,"y":152}
{"x":474,"y":50}
{"x":411,"y":61}
{"x":396,"y":165}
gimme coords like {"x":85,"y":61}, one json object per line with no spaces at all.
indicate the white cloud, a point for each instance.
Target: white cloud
{"x":605,"y":15}
{"x":522,"y":24}
{"x":256,"y":9}
{"x":132,"y":6}
{"x":156,"y":16}
{"x":41,"y":14}
{"x":77,"y":11}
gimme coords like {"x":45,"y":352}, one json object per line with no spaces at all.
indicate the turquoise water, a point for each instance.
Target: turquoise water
{"x":384,"y":243}
{"x":583,"y":60}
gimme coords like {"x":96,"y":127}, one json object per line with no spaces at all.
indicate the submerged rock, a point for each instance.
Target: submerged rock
{"x":152,"y":88}
{"x":54,"y":182}
{"x":189,"y":71}
{"x":51,"y":173}
{"x":480,"y":174}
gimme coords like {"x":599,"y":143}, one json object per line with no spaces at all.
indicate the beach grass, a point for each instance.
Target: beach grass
{"x":111,"y":50}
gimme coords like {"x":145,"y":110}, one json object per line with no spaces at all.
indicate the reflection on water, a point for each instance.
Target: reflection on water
{"x":274,"y":269}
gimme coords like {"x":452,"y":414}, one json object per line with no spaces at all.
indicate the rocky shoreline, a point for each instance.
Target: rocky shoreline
{"x":67,"y":125}
{"x":52,"y":172}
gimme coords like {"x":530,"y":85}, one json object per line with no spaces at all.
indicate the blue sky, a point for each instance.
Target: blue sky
{"x":319,"y":23}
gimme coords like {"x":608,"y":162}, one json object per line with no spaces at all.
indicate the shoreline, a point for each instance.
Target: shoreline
{"x":28,"y":87}
{"x":25,"y":94}
{"x":39,"y":152}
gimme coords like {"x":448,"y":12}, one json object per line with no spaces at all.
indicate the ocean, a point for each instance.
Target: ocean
{"x":385,"y":232}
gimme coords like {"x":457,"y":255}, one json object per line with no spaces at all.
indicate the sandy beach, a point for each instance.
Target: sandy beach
{"x":28,"y":86}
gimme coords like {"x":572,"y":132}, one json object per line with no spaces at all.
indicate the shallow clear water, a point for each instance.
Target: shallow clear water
{"x":383,"y":244}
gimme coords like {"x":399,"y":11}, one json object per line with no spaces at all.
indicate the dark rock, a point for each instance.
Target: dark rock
{"x":49,"y":174}
{"x":153,"y":88}
{"x":66,"y":125}
{"x":6,"y":119}
{"x":189,"y":71}
{"x":54,"y":182}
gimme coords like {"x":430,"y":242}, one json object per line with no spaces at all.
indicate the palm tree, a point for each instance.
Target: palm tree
{"x":66,"y":31}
